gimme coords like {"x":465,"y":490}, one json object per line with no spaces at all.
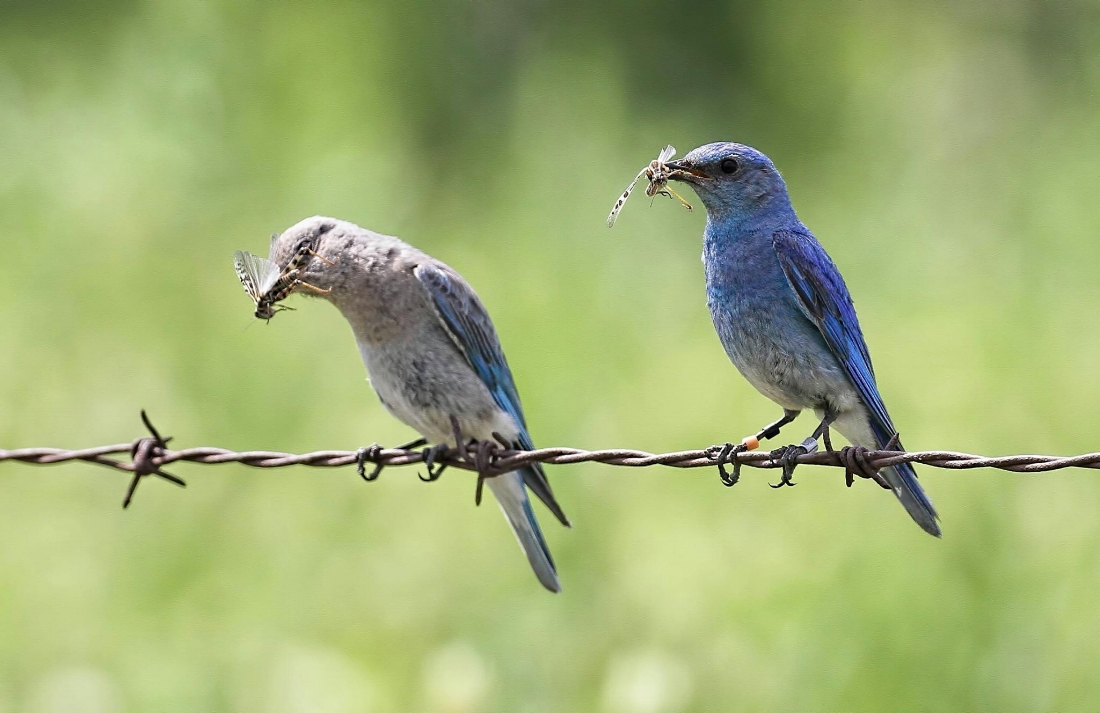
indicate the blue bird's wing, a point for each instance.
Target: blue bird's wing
{"x":468,"y":324}
{"x":825,"y":300}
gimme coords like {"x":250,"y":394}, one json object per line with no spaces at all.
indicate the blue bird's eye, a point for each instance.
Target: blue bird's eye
{"x":728,"y":165}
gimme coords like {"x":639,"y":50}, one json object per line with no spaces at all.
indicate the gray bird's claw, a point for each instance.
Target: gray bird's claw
{"x":483,"y":461}
{"x":431,"y":455}
{"x":727,"y":453}
{"x":788,"y":457}
{"x":369,"y":453}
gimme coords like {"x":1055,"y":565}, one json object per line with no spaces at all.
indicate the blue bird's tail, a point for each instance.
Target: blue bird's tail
{"x":903,"y":481}
{"x":512,"y":496}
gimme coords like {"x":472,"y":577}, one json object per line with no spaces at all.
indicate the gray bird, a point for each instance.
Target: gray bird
{"x":431,"y":352}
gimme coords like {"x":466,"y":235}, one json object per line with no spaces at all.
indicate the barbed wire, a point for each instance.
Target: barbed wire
{"x":148,"y":456}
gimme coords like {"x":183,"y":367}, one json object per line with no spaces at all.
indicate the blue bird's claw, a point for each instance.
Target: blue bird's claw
{"x":855,"y":463}
{"x":788,"y":457}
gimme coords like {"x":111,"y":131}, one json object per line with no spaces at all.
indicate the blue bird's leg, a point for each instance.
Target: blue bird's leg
{"x":856,"y":463}
{"x":788,"y":455}
{"x":727,"y":453}
{"x":370,"y":454}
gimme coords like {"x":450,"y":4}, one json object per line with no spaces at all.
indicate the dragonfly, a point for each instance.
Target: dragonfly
{"x":268,"y":285}
{"x":657,"y":173}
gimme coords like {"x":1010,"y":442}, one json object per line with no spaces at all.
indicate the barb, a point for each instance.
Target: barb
{"x":144,"y":454}
{"x":149,"y":455}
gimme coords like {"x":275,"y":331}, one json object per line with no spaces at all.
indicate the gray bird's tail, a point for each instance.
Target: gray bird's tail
{"x":512,"y":496}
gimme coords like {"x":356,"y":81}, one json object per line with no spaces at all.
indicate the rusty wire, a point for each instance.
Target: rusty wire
{"x":148,"y":456}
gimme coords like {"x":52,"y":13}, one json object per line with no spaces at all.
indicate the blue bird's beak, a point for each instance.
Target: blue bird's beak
{"x":683,"y":172}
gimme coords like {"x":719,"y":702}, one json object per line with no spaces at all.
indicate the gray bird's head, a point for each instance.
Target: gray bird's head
{"x":313,"y":246}
{"x":735,"y":182}
{"x":361,"y":272}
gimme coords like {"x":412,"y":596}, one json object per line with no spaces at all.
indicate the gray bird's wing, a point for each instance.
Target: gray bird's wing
{"x":468,"y":324}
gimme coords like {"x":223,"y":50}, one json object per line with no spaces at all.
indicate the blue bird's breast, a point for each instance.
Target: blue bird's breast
{"x":762,"y":328}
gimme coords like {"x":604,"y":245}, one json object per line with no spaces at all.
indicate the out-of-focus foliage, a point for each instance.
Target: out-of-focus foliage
{"x":946,"y":154}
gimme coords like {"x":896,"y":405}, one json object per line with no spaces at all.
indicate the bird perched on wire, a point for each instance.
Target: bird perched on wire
{"x":431,"y":352}
{"x":784,"y":315}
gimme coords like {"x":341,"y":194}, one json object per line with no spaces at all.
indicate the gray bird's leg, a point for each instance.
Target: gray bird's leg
{"x":371,"y":452}
{"x":484,"y":463}
{"x":483,"y":455}
{"x":431,"y":455}
{"x":481,"y":458}
{"x":728,"y":452}
{"x":787,"y":455}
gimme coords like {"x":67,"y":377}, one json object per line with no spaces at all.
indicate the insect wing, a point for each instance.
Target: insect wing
{"x":666,"y":153}
{"x":622,"y":199}
{"x":257,"y":274}
{"x":244,"y":274}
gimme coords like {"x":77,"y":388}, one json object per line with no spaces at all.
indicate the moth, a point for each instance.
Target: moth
{"x":657,"y":173}
{"x":267,"y":285}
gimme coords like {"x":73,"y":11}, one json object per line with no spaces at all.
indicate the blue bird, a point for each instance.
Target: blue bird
{"x":783,"y":312}
{"x":432,"y":354}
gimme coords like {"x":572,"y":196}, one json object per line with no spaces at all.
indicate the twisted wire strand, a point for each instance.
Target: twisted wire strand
{"x":148,"y":456}
{"x":507,"y":460}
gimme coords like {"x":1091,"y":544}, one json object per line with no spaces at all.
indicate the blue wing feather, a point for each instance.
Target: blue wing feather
{"x":825,"y":300}
{"x":468,"y":323}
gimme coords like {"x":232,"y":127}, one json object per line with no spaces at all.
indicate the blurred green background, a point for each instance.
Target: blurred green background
{"x":945,"y":153}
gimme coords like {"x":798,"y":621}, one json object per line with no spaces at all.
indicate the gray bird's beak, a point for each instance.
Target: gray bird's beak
{"x":682,"y":172}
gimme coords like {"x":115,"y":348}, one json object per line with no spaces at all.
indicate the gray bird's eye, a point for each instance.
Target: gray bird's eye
{"x":728,"y":165}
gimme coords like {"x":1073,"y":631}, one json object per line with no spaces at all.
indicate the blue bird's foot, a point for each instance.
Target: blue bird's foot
{"x":431,"y":455}
{"x":369,"y":453}
{"x":727,"y":453}
{"x":856,"y":463}
{"x":788,"y":457}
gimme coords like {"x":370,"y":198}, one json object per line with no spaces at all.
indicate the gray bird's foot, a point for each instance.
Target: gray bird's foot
{"x":727,"y":453}
{"x":856,"y":463}
{"x":788,"y":457}
{"x":483,"y":462}
{"x":369,"y":454}
{"x":431,"y":455}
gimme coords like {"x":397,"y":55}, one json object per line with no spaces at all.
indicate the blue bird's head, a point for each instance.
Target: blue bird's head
{"x":736,"y":183}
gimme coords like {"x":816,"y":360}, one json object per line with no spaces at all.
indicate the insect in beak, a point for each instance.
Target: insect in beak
{"x":678,"y":171}
{"x":658,"y":173}
{"x":325,"y":260}
{"x":268,"y":285}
